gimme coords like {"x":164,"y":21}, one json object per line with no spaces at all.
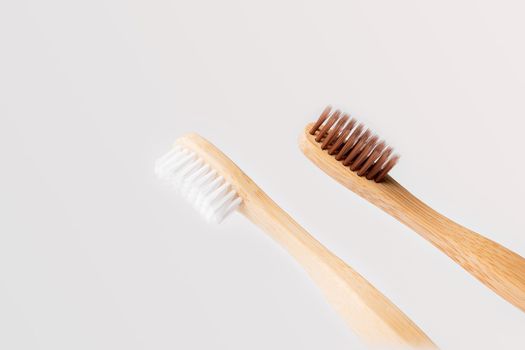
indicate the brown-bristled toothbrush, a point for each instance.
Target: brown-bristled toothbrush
{"x":216,"y":187}
{"x":360,"y":161}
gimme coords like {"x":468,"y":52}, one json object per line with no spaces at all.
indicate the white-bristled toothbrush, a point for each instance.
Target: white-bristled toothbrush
{"x":216,"y":187}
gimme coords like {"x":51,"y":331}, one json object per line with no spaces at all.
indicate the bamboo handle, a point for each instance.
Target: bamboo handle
{"x":497,"y":267}
{"x":368,"y":313}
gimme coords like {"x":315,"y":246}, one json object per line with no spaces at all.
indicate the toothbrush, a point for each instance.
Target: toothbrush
{"x":358,"y":160}
{"x":217,"y":187}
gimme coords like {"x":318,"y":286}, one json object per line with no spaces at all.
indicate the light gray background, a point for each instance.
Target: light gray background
{"x":96,"y":254}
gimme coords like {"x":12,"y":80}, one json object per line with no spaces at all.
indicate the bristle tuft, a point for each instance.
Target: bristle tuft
{"x":211,"y":195}
{"x":354,"y":145}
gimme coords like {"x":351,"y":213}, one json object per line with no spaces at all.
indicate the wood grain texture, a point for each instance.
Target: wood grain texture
{"x":497,"y":267}
{"x":367,"y":312}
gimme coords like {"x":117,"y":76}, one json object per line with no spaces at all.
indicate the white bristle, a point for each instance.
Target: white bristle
{"x":209,"y":192}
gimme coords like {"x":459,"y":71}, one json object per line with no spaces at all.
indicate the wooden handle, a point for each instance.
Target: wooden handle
{"x":498,"y":268}
{"x":368,"y":313}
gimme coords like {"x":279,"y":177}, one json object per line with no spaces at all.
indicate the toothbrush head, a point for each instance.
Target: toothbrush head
{"x":355,"y":146}
{"x":190,"y":175}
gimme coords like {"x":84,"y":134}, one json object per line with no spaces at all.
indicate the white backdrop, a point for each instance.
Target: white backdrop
{"x":96,"y":254}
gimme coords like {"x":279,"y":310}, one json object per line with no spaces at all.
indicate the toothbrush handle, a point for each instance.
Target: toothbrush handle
{"x":497,"y":267}
{"x":368,"y":312}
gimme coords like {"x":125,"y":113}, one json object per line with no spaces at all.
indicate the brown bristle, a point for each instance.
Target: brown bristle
{"x":354,"y":145}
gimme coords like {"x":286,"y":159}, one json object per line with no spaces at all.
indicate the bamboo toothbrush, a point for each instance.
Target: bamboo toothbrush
{"x":217,"y":187}
{"x":337,"y":142}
